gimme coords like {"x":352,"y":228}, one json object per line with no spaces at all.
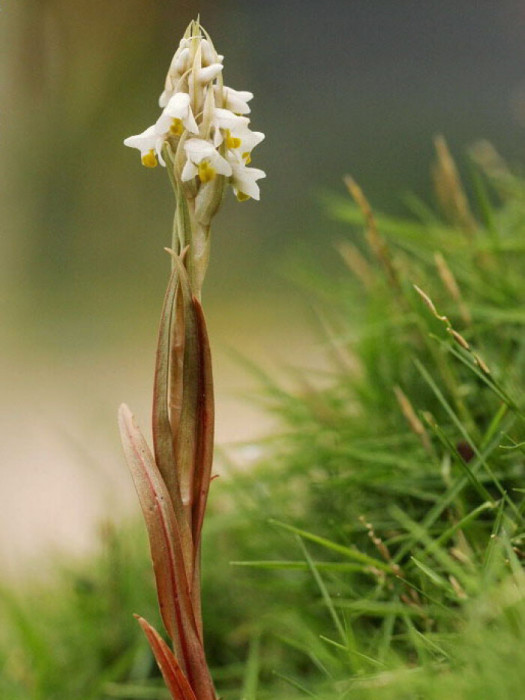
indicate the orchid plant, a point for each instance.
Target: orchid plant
{"x":203,"y":138}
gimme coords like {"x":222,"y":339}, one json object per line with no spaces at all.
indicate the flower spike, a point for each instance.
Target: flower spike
{"x":196,"y":103}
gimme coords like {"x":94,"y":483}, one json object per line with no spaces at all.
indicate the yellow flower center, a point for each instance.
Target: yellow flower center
{"x":206,"y":172}
{"x":177,"y":127}
{"x":232,"y":141}
{"x":242,"y":197}
{"x":149,"y":159}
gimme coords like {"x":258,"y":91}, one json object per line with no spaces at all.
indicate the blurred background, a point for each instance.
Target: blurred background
{"x":340,"y":87}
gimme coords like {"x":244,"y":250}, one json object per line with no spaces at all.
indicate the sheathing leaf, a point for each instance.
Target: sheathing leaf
{"x":175,"y":680}
{"x":186,"y":443}
{"x":171,"y":576}
{"x":162,"y":429}
{"x":205,"y":427}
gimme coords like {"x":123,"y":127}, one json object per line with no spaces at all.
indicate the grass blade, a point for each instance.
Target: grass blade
{"x":355,"y":554}
{"x":251,"y":676}
{"x":326,"y":596}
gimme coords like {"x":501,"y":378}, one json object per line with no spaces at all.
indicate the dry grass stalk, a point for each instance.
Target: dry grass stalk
{"x":412,"y":419}
{"x":460,"y":340}
{"x":449,"y":189}
{"x":450,"y":283}
{"x":376,"y":242}
{"x":356,"y":263}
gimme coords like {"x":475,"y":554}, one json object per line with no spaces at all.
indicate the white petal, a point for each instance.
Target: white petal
{"x":247,"y":187}
{"x":180,"y":62}
{"x":208,"y":54}
{"x":158,"y":150}
{"x":178,"y":105}
{"x":163,"y":123}
{"x":256,"y":173}
{"x":164,"y":98}
{"x":221,"y":165}
{"x":189,"y":171}
{"x":218,"y":138}
{"x":236,"y":100}
{"x":244,"y":180}
{"x":249,"y":140}
{"x":178,"y":66}
{"x":198,"y":149}
{"x":190,"y":123}
{"x":226,"y":119}
{"x":206,"y":75}
{"x":243,"y":95}
{"x":144,"y":141}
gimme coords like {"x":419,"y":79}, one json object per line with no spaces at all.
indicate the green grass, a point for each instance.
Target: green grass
{"x":375,"y":550}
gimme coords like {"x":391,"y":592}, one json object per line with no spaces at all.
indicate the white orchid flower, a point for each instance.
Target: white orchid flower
{"x":233,"y":129}
{"x":204,"y":161}
{"x":234,"y":100}
{"x":227,"y":125}
{"x":244,"y":143}
{"x":149,"y":143}
{"x":243,"y":180}
{"x":177,"y":116}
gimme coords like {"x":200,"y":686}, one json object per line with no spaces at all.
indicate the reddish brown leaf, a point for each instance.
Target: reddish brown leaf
{"x":171,"y":575}
{"x":176,"y":370}
{"x":205,"y":428}
{"x":175,"y":680}
{"x":163,"y":439}
{"x":204,"y":455}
